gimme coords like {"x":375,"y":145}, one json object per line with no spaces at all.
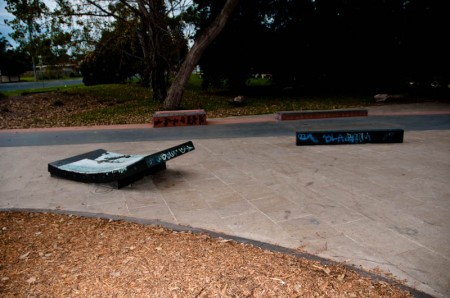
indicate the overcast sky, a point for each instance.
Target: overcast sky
{"x":4,"y":15}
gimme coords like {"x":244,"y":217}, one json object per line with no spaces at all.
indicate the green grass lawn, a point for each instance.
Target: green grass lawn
{"x":126,"y":98}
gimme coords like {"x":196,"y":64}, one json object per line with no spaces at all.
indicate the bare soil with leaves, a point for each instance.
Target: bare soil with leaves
{"x":58,"y":109}
{"x":65,"y":109}
{"x":55,"y":255}
{"x":125,"y":104}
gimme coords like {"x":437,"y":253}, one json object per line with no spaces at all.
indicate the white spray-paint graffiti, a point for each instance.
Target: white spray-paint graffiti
{"x":112,"y":163}
{"x":165,"y":156}
{"x":107,"y":163}
{"x":102,"y":167}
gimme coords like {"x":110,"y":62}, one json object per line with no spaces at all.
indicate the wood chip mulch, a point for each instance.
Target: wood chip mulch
{"x":55,"y":255}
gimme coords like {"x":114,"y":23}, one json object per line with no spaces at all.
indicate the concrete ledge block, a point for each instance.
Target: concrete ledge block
{"x":301,"y":115}
{"x":101,"y":166}
{"x":179,"y":118}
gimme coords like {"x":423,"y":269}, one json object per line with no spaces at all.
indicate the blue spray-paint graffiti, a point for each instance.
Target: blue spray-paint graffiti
{"x":349,"y":137}
{"x":304,"y":137}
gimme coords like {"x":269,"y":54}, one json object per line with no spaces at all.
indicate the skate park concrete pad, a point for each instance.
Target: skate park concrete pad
{"x":377,"y":206}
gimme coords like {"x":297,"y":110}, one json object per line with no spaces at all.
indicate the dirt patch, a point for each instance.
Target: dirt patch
{"x":57,"y":255}
{"x":54,"y":109}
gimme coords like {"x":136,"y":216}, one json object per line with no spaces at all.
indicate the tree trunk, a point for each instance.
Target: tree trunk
{"x":150,"y":37}
{"x":173,"y":99}
{"x":145,"y":47}
{"x":159,"y":80}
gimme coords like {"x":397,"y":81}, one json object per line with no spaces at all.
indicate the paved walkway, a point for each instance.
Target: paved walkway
{"x":384,"y":206}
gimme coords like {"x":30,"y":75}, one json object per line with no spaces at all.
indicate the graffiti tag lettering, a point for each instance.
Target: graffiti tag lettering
{"x":307,"y":137}
{"x":167,"y":155}
{"x":348,"y":138}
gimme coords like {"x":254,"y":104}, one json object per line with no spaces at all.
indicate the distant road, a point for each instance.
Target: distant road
{"x":38,"y":85}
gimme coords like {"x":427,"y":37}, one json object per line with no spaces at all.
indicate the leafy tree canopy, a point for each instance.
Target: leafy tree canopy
{"x":332,"y":46}
{"x":13,"y":62}
{"x":123,"y":48}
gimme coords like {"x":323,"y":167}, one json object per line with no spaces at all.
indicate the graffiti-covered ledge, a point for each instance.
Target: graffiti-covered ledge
{"x":179,"y":118}
{"x":101,"y":166}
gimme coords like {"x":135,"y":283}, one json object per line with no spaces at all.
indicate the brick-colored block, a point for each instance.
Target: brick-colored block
{"x":301,"y":115}
{"x":179,"y":118}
